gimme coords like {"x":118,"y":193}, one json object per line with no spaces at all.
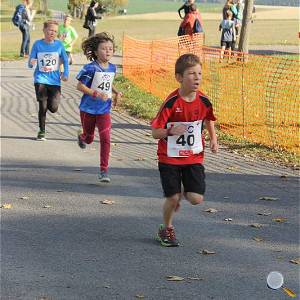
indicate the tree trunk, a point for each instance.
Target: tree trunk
{"x":245,"y":32}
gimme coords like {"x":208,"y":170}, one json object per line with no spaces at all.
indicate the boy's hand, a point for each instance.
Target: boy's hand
{"x":214,"y":147}
{"x":64,"y":78}
{"x":33,"y":61}
{"x":103,"y":96}
{"x":117,"y":98}
{"x":178,"y":130}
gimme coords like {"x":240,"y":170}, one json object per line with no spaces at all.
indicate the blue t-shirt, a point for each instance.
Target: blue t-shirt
{"x":48,"y":56}
{"x":99,"y":79}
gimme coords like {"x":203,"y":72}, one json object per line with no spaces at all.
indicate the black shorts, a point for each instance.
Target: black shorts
{"x":227,"y":45}
{"x":46,"y":92}
{"x":191,"y":176}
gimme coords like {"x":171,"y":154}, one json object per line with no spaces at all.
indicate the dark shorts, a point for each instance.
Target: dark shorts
{"x":227,"y":45}
{"x":191,"y":176}
{"x":46,"y":92}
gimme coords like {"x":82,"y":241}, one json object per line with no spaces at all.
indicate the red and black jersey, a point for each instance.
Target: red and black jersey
{"x":176,"y":109}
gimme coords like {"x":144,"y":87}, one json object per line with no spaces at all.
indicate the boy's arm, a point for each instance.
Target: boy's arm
{"x":210,"y":126}
{"x":32,"y":57}
{"x":179,"y":11}
{"x":64,"y":55}
{"x":118,"y":95}
{"x":84,"y":89}
{"x":161,"y":133}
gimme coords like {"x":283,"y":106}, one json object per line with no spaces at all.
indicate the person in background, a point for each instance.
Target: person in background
{"x":91,"y":17}
{"x":228,"y":34}
{"x":68,"y":36}
{"x":192,"y":22}
{"x":46,"y":55}
{"x":186,"y":8}
{"x":27,"y":17}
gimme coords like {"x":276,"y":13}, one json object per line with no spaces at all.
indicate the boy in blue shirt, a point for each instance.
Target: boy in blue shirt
{"x":95,"y":81}
{"x":47,"y":55}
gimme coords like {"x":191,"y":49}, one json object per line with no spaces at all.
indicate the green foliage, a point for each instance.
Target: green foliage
{"x":136,"y":101}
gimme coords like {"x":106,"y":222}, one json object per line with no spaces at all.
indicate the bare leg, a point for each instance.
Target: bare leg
{"x":169,"y":208}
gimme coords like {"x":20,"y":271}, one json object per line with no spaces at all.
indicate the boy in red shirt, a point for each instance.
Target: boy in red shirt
{"x":178,"y":125}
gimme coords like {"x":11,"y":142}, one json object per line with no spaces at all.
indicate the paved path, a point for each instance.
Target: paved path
{"x":61,"y":243}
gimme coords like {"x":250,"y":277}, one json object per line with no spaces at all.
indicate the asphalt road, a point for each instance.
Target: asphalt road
{"x":59,"y":242}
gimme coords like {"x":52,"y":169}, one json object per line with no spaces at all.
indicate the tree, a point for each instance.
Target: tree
{"x":245,"y":32}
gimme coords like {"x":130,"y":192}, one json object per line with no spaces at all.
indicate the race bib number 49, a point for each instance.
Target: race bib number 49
{"x":102,"y":82}
{"x":48,"y":61}
{"x":188,"y":143}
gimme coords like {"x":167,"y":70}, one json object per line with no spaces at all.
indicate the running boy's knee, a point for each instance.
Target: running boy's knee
{"x":53,"y":109}
{"x":174,"y":199}
{"x":194,"y":198}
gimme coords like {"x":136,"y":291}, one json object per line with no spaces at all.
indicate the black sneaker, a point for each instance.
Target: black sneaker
{"x":41,"y":136}
{"x":81,"y":143}
{"x":166,"y":236}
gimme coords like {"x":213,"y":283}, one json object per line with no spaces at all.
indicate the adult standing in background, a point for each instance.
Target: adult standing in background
{"x":26,"y":18}
{"x":91,"y":18}
{"x":186,"y":8}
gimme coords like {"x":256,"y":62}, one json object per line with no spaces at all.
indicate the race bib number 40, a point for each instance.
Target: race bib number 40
{"x":48,"y":61}
{"x":188,"y":143}
{"x":102,"y":82}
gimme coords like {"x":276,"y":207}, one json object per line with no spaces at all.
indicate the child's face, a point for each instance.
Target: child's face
{"x":191,"y":79}
{"x":50,"y":32}
{"x":67,"y":22}
{"x":105,"y":51}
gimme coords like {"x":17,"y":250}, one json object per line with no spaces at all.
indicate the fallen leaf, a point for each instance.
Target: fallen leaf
{"x":6,"y":206}
{"x":279,"y":220}
{"x":233,"y":168}
{"x":283,"y":177}
{"x":47,"y":206}
{"x":225,"y":197}
{"x":139,"y":296}
{"x":258,"y":239}
{"x":77,"y":170}
{"x":211,"y":210}
{"x":148,"y":134}
{"x":174,"y":278}
{"x":139,"y":159}
{"x":279,"y":257}
{"x":228,"y":219}
{"x":266,"y":198}
{"x":107,"y":286}
{"x":295,"y":261}
{"x":59,"y":191}
{"x":119,"y":159}
{"x":195,"y":278}
{"x":256,"y":225}
{"x":264,"y":213}
{"x":114,"y":144}
{"x":24,"y":197}
{"x":207,"y":252}
{"x":107,"y":201}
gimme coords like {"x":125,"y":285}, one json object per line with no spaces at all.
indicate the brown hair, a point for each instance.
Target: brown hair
{"x":186,"y":61}
{"x":50,"y":22}
{"x":90,"y":45}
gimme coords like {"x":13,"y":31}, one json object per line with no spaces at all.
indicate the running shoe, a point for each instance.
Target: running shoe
{"x":41,"y":136}
{"x":103,"y":177}
{"x":166,"y":236}
{"x":80,"y":142}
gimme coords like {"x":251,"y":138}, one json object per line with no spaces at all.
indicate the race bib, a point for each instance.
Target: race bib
{"x":48,"y":61}
{"x":102,"y":82}
{"x":188,"y":143}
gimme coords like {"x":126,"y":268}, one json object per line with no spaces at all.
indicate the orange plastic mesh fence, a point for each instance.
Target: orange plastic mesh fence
{"x":254,"y":97}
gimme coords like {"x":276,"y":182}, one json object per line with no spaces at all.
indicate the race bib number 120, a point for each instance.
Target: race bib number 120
{"x":188,"y":143}
{"x":48,"y":61}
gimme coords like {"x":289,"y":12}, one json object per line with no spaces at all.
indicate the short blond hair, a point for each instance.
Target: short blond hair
{"x":50,"y":22}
